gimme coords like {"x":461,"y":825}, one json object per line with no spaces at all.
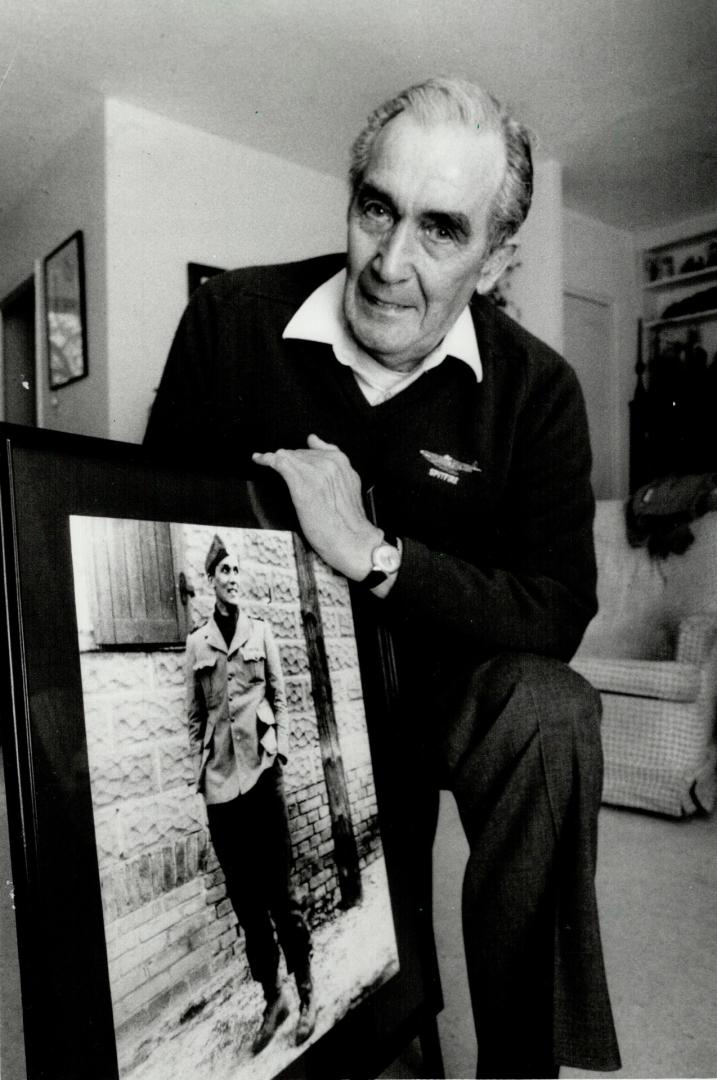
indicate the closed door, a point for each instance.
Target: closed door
{"x":18,"y":355}
{"x":589,"y":349}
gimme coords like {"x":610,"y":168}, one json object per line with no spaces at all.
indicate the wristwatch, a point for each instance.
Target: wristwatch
{"x":385,"y":560}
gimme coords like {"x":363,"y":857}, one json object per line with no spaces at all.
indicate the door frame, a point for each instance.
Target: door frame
{"x":35,"y":279}
{"x":595,"y":297}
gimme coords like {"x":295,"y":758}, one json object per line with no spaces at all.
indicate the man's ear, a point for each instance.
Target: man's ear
{"x":496,"y":264}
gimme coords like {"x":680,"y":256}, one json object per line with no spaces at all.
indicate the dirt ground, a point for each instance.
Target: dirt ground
{"x":353,"y":953}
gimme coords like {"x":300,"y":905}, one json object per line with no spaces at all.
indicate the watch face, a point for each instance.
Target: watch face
{"x":386,"y":558}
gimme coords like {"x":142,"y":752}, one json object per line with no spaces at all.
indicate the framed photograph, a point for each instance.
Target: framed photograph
{"x":65,"y":314}
{"x":119,"y":575}
{"x":198,"y":273}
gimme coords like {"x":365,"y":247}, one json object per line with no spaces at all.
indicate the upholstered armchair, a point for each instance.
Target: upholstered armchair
{"x":651,"y":651}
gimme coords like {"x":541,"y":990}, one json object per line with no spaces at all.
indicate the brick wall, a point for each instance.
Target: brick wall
{"x":168,"y":922}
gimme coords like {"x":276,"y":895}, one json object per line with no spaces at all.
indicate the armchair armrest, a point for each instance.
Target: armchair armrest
{"x":696,"y":638}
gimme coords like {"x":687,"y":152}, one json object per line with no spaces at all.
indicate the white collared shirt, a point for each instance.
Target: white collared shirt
{"x":320,"y":318}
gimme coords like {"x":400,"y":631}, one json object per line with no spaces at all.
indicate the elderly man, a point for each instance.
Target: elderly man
{"x":387,"y":372}
{"x":237,"y":737}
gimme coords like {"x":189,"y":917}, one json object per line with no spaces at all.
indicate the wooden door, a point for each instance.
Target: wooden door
{"x":136,"y":587}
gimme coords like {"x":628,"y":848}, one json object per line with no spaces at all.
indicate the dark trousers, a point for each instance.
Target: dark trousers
{"x":519,"y":745}
{"x":251,"y":839}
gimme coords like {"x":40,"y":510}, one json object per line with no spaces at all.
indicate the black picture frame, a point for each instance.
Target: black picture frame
{"x":45,"y":479}
{"x":66,"y":313}
{"x":198,"y":273}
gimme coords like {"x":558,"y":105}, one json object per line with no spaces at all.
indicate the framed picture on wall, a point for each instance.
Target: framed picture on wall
{"x":65,"y":312}
{"x":119,"y":577}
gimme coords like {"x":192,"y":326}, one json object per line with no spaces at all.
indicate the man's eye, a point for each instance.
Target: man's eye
{"x":441,"y":234}
{"x":376,"y":211}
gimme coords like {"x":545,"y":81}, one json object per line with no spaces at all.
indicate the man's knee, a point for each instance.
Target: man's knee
{"x":543,"y":676}
{"x":549,"y":684}
{"x":527,"y":694}
{"x":526,"y":748}
{"x":564,"y":712}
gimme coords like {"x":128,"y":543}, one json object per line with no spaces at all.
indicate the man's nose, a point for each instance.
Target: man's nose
{"x":392,"y":261}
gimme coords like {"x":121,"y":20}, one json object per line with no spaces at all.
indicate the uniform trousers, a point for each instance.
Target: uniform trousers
{"x":518,"y":743}
{"x":251,"y":840}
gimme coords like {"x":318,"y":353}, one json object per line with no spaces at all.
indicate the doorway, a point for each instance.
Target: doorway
{"x":589,"y":349}
{"x":17,"y":317}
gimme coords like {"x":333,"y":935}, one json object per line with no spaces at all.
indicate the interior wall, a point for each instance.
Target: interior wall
{"x":536,"y":285}
{"x":177,"y":195}
{"x":600,"y":262}
{"x":152,"y":195}
{"x":676,"y":230}
{"x":69,"y":195}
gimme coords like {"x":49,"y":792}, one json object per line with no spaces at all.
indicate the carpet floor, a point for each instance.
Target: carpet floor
{"x":657,"y":891}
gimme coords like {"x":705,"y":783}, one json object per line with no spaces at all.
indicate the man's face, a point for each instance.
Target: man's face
{"x":417,"y":235}
{"x":225,"y":581}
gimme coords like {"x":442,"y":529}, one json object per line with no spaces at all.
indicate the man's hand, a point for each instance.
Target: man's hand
{"x":326,"y":492}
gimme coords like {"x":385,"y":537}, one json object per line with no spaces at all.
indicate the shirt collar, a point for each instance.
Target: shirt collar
{"x":320,"y":319}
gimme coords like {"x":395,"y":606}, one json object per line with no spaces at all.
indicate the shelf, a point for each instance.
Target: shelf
{"x":682,"y":279}
{"x":697,"y":316}
{"x":682,"y":242}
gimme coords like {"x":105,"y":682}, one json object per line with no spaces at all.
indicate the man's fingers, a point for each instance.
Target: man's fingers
{"x":326,"y":493}
{"x":285,"y":462}
{"x":276,"y":459}
{"x":320,"y":454}
{"x":309,"y":473}
{"x":317,"y":443}
{"x":264,"y":459}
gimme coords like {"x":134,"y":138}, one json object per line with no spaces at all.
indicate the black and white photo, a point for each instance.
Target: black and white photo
{"x":244,"y":890}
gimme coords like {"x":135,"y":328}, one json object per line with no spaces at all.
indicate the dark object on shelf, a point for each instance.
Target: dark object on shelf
{"x":672,"y":425}
{"x":705,"y":300}
{"x":672,"y":413}
{"x":639,"y":433}
{"x":659,"y":513}
{"x":652,"y":268}
{"x":692,"y":263}
{"x":697,"y":358}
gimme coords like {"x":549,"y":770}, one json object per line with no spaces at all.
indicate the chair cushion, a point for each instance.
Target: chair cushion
{"x":663,"y":679}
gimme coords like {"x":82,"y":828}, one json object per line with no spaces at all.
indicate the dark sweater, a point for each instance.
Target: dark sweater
{"x":503,"y":559}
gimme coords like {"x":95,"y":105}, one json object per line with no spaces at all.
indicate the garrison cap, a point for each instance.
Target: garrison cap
{"x":217,"y":552}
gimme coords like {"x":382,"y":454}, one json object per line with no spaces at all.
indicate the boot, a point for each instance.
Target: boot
{"x":275,"y":1013}
{"x":307,"y":1009}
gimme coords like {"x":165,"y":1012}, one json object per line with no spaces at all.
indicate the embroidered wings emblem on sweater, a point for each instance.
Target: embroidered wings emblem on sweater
{"x":446,"y":467}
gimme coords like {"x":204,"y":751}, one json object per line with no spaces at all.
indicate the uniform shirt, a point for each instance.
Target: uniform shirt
{"x":236,"y":706}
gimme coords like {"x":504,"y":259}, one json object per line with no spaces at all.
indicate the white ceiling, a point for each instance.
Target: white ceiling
{"x":622,"y":92}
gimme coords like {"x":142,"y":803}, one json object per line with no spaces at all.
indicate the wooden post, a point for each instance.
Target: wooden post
{"x":345,"y":851}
